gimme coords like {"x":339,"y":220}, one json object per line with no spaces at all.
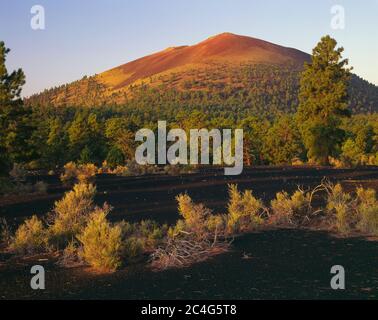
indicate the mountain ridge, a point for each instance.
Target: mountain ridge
{"x":222,"y":65}
{"x":224,"y":47}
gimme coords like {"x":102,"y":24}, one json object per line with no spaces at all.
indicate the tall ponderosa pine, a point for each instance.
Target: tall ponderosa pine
{"x":14,"y":124}
{"x":323,"y":101}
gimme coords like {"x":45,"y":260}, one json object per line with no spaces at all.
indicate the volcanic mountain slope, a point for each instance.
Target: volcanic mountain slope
{"x":224,"y":48}
{"x":225,"y":65}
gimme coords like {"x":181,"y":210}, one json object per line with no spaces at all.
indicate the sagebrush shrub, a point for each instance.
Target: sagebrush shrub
{"x":141,"y":237}
{"x":86,"y":172}
{"x":177,"y":229}
{"x":367,"y":211}
{"x":101,"y":242}
{"x":83,"y":173}
{"x":30,"y":237}
{"x":127,"y":228}
{"x":290,"y":210}
{"x":194,"y":238}
{"x":340,"y":163}
{"x":339,"y":204}
{"x":71,"y":213}
{"x":133,"y":247}
{"x":71,"y":255}
{"x":244,"y":210}
{"x":151,"y":233}
{"x":120,"y":171}
{"x":217,"y":224}
{"x":135,"y":169}
{"x":70,"y":172}
{"x":195,"y":215}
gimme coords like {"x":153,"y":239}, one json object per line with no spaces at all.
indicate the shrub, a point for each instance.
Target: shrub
{"x":71,"y":255}
{"x":70,"y":214}
{"x":367,"y":211}
{"x":340,"y":163}
{"x":135,"y":169}
{"x":194,"y":238}
{"x":195,"y":215}
{"x":30,"y":237}
{"x":86,"y":172}
{"x":297,"y":162}
{"x":115,"y":157}
{"x":351,"y":153}
{"x":86,"y":155}
{"x":373,"y":159}
{"x":141,"y":237}
{"x":177,"y":229}
{"x":70,"y":172}
{"x":105,"y":168}
{"x":244,"y":210}
{"x":133,"y":247}
{"x":127,"y":228}
{"x":101,"y":242}
{"x":290,"y":210}
{"x":82,"y":173}
{"x":216,"y":224}
{"x":339,"y":205}
{"x":120,"y":171}
{"x":370,"y":159}
{"x":151,"y":233}
{"x":132,"y":168}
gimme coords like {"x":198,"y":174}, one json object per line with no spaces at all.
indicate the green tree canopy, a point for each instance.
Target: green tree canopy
{"x":323,"y":100}
{"x":14,"y":125}
{"x":282,"y":142}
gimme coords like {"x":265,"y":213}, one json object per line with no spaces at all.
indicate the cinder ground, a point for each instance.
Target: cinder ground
{"x":275,"y":264}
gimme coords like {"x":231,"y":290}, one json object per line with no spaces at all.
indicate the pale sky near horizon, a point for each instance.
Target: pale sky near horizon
{"x":85,"y":37}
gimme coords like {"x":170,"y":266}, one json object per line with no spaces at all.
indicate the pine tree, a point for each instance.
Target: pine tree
{"x":323,"y":101}
{"x":282,"y":143}
{"x":14,"y":117}
{"x":120,"y":135}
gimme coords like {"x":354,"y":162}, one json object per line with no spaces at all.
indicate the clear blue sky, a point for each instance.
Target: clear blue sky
{"x":83,"y":37}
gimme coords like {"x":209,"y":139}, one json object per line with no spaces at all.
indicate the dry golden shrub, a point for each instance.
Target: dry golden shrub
{"x":70,"y":214}
{"x":101,"y":242}
{"x":244,"y":210}
{"x":30,"y":237}
{"x":291,"y":210}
